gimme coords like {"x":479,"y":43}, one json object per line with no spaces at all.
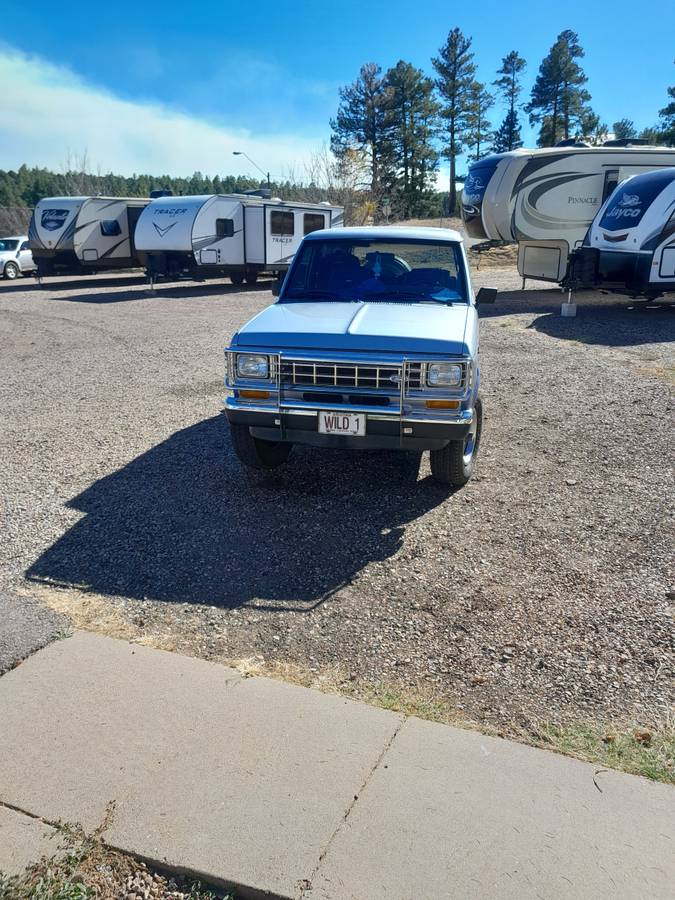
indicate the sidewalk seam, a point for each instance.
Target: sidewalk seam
{"x":29,"y":815}
{"x":306,"y":885}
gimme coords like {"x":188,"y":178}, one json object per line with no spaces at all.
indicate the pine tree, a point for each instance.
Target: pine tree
{"x":590,"y":128}
{"x":413,"y":119}
{"x":667,"y":115}
{"x":363,"y":123}
{"x":507,"y":137}
{"x":624,"y":130}
{"x":558,"y":99}
{"x":455,"y":68}
{"x":478,"y":127}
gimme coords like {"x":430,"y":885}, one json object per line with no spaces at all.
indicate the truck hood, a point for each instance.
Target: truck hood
{"x":390,"y":327}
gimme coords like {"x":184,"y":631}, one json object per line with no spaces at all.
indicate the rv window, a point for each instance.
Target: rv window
{"x":611,"y":181}
{"x":282,"y":223}
{"x":224,"y":228}
{"x":314,"y":222}
{"x":110,"y":228}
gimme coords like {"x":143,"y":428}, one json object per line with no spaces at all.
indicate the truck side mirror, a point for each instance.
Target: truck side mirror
{"x":486,"y":295}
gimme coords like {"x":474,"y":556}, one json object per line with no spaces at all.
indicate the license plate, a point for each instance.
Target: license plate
{"x":342,"y":423}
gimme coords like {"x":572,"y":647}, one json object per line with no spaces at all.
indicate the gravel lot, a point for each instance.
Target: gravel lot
{"x":26,"y":627}
{"x":540,"y":589}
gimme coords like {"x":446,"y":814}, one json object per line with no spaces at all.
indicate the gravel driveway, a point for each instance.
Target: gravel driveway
{"x":540,"y":589}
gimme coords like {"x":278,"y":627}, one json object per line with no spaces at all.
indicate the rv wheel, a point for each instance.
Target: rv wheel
{"x":237,"y":278}
{"x":251,"y":277}
{"x":11,"y":271}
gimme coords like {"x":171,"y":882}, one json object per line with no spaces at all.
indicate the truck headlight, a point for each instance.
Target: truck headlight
{"x":443,"y":374}
{"x":251,"y":365}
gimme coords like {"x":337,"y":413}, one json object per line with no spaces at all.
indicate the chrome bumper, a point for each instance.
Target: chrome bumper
{"x":383,"y":431}
{"x":458,"y":417}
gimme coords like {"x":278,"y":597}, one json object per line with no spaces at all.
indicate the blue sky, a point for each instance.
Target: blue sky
{"x":145,"y":87}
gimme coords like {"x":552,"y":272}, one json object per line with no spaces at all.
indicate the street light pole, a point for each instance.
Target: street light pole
{"x":253,"y":163}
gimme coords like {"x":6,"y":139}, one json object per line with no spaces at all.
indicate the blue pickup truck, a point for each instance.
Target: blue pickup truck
{"x":372,"y":343}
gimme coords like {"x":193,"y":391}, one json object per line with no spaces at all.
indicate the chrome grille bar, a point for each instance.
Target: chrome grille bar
{"x":319,"y":373}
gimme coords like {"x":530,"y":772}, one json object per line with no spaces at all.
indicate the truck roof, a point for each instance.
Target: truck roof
{"x":386,"y":232}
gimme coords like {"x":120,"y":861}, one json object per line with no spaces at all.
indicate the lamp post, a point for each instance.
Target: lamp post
{"x":266,"y":174}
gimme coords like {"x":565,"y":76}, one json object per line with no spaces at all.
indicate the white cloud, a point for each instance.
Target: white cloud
{"x":49,"y":113}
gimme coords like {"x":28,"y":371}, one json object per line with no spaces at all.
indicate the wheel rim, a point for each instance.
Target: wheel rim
{"x":11,"y":271}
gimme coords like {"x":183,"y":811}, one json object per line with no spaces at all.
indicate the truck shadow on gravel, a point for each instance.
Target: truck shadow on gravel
{"x":185,"y":523}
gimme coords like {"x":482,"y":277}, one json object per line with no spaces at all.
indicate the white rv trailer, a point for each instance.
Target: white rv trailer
{"x":546,"y":199}
{"x":630,"y":246}
{"x":239,"y":235}
{"x":75,"y":235}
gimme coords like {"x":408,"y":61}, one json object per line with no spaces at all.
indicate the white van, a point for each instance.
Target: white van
{"x":15,"y":257}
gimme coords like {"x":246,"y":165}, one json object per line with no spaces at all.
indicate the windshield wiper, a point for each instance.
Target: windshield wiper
{"x":403,"y":296}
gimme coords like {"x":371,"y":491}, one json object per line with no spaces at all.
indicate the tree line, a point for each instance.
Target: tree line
{"x":25,"y":186}
{"x":400,"y":123}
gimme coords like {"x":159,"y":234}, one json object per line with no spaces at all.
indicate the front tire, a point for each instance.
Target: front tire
{"x":454,"y":463}
{"x":256,"y":453}
{"x":11,"y":271}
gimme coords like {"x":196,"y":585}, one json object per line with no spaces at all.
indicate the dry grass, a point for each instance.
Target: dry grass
{"x":84,"y":868}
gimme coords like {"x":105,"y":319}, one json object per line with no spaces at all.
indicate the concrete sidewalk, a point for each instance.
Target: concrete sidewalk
{"x":279,"y":790}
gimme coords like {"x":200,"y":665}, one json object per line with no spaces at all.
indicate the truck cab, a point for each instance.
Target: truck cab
{"x":372,"y":343}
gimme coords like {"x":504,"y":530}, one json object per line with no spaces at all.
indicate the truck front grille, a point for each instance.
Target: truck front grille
{"x":321,"y":373}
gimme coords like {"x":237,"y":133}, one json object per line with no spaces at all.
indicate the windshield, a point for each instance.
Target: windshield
{"x":386,"y":270}
{"x":8,"y":245}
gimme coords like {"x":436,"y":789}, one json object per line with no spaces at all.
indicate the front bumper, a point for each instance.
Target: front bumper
{"x":382,"y":432}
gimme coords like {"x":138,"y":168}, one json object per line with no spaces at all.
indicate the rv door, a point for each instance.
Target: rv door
{"x":283,"y":232}
{"x":133,"y":215}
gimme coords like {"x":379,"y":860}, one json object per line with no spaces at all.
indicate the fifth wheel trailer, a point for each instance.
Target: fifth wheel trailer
{"x":77,"y":235}
{"x":546,"y":199}
{"x":239,"y":235}
{"x":630,"y":246}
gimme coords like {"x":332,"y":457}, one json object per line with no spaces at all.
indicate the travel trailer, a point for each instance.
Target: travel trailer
{"x":240,"y":235}
{"x":546,"y":199}
{"x":630,"y":246}
{"x":76,"y":235}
